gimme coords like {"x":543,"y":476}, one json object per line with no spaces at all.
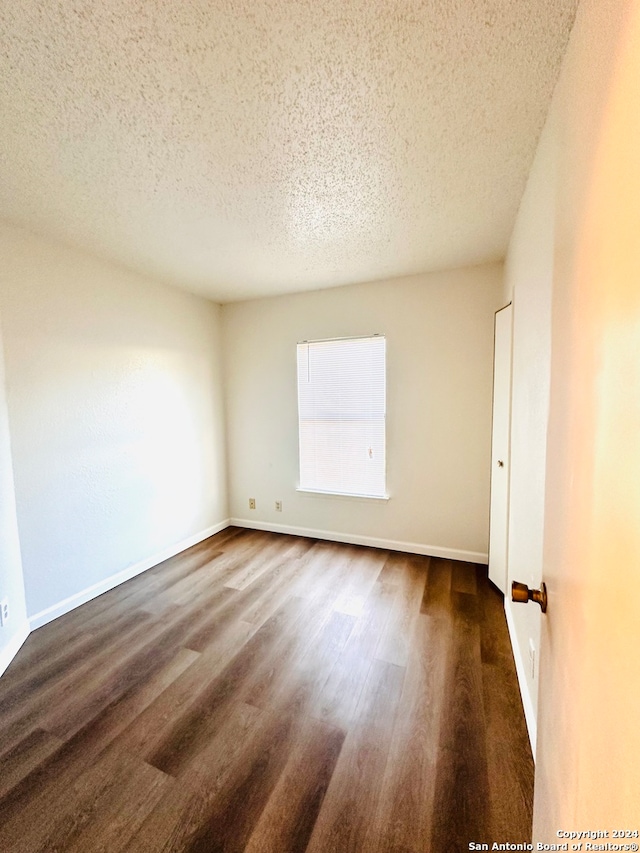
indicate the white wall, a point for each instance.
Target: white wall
{"x":528,"y":282}
{"x":13,"y":633}
{"x":116,"y":419}
{"x":439,"y":330}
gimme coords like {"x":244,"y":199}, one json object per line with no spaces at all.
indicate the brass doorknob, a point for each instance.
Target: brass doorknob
{"x":521,"y":592}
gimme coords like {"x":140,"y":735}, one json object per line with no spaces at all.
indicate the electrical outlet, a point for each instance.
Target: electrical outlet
{"x":4,"y":611}
{"x":278,"y":506}
{"x":532,"y":658}
{"x":252,"y":503}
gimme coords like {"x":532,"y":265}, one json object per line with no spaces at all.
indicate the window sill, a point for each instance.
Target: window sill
{"x":344,"y":495}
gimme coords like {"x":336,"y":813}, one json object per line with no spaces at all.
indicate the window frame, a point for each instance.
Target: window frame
{"x":329,"y":493}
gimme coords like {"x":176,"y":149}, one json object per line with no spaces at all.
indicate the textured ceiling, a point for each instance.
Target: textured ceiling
{"x":245,"y":147}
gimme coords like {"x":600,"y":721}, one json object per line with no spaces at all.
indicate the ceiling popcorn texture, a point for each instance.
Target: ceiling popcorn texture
{"x":240,"y":148}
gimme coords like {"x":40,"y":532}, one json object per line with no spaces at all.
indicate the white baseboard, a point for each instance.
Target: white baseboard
{"x":529,"y":712}
{"x":62,"y":607}
{"x":370,"y":541}
{"x":13,"y":646}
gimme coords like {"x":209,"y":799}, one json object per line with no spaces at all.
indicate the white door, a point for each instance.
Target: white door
{"x":588,"y":757}
{"x":499,"y":523}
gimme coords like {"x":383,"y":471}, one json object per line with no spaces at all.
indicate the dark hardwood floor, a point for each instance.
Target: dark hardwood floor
{"x":269,"y":693}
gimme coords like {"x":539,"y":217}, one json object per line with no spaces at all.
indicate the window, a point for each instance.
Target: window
{"x":341,"y":416}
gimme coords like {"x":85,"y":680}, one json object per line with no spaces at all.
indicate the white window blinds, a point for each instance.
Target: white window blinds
{"x":341,"y":416}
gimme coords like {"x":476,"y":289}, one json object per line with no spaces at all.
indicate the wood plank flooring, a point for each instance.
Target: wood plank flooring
{"x":269,"y":694}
